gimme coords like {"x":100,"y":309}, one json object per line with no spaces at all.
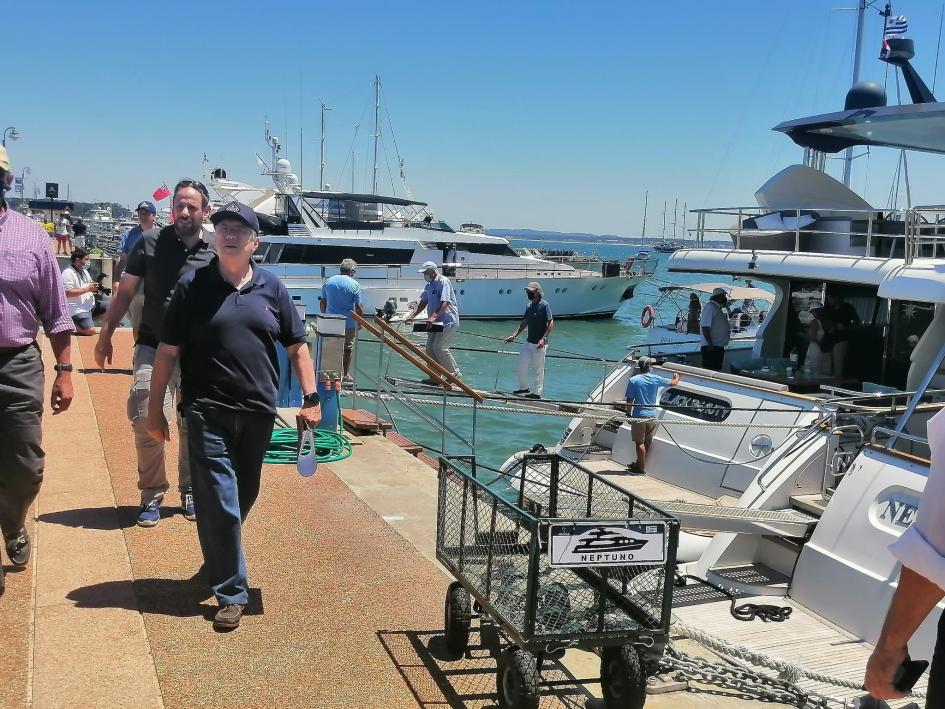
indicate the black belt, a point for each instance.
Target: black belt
{"x":16,"y":350}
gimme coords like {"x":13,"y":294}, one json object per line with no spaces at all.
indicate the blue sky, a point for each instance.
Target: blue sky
{"x":526,"y":114}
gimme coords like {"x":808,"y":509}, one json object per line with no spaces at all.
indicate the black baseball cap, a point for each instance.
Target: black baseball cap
{"x":236,"y":210}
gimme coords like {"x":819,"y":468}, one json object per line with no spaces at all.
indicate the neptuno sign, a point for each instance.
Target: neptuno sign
{"x":606,"y":543}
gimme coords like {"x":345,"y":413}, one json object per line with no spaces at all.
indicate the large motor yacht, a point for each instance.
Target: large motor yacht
{"x":792,"y":482}
{"x":307,"y":233}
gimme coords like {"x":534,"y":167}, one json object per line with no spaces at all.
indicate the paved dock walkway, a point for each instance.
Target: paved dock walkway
{"x":347,"y":600}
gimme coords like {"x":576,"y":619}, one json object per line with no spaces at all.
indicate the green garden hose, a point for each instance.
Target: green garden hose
{"x":284,"y":442}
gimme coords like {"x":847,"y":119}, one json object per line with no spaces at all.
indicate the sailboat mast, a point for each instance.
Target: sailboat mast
{"x":646,"y":198}
{"x":675,"y":208}
{"x":321,"y":172}
{"x":663,"y":234}
{"x":684,"y":210}
{"x":377,"y":106}
{"x":857,"y":56}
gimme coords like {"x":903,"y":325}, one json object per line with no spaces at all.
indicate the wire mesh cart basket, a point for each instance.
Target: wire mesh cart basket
{"x":570,"y":561}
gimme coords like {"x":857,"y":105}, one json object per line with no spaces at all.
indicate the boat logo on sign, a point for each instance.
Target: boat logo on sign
{"x":606,"y":543}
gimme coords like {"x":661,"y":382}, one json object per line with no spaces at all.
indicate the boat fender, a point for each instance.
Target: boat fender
{"x":647,"y":316}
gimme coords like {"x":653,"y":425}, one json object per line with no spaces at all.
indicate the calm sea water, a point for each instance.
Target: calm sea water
{"x":498,"y":435}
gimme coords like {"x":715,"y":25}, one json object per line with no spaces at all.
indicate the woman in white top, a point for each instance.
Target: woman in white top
{"x":819,"y":352}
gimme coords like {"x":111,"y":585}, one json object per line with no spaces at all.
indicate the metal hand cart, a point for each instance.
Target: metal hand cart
{"x":572,"y":561}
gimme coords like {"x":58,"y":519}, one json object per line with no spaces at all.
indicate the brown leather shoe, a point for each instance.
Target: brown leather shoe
{"x":19,"y":548}
{"x":229,"y":616}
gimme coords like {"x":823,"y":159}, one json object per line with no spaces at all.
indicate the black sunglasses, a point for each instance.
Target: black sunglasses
{"x":194,"y":184}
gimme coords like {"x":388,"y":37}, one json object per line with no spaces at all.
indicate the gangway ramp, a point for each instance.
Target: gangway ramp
{"x":740,"y":520}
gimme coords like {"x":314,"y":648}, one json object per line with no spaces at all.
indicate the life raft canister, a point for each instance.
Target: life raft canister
{"x":647,"y":316}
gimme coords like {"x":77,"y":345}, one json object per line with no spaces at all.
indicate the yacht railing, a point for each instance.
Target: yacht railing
{"x":913,"y":233}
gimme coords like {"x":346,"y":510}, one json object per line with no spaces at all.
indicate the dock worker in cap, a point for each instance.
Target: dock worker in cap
{"x":439,"y":299}
{"x":716,"y":330}
{"x":539,"y":322}
{"x":157,"y":261}
{"x":223,"y":324}
{"x":31,"y":294}
{"x":643,"y":392}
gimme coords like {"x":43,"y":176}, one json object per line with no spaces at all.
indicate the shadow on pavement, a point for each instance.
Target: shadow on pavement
{"x":102,"y":518}
{"x":436,"y":679}
{"x":181,"y":598}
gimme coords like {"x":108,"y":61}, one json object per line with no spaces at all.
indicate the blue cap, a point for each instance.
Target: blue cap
{"x":236,"y":210}
{"x":428,"y":265}
{"x":148,"y":206}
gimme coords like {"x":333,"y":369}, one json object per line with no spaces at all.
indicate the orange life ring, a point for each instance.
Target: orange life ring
{"x":647,"y":316}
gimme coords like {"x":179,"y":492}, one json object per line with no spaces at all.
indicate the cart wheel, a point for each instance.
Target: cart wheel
{"x":456,"y":616}
{"x":622,"y":678}
{"x":517,"y":678}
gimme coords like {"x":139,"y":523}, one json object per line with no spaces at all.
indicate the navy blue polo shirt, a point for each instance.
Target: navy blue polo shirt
{"x":227,"y":338}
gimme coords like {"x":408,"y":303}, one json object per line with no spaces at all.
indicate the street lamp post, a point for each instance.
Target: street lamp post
{"x":23,"y":173}
{"x":13,"y":133}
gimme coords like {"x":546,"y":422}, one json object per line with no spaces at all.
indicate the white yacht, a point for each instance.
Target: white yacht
{"x":792,"y":486}
{"x":306,"y":234}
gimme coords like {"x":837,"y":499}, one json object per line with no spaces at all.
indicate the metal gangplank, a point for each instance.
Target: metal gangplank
{"x":739,"y":520}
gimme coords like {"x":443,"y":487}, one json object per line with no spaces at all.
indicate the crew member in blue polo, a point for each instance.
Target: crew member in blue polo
{"x":223,"y":324}
{"x":540,"y":323}
{"x":439,"y":299}
{"x":341,"y":295}
{"x":643,"y":392}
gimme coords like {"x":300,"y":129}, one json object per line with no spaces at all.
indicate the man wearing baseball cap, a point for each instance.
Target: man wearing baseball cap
{"x":716,"y":330}
{"x":540,"y":323}
{"x":643,"y":392}
{"x":31,"y":294}
{"x":223,"y":324}
{"x":159,"y":258}
{"x":439,"y":299}
{"x":146,"y":212}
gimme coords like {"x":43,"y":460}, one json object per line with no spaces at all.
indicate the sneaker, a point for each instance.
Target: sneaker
{"x":348,"y":381}
{"x":635,"y":469}
{"x":150,"y":513}
{"x":18,"y":548}
{"x":229,"y":616}
{"x":533,"y":396}
{"x":520,"y":391}
{"x":187,"y":505}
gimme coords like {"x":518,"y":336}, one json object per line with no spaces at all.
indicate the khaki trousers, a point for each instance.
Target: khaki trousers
{"x":152,"y":477}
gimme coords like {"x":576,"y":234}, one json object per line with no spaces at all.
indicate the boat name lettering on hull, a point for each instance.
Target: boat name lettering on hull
{"x":700,"y":406}
{"x":895,"y":509}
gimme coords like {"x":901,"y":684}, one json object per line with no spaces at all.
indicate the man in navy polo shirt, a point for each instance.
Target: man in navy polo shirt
{"x":223,"y":324}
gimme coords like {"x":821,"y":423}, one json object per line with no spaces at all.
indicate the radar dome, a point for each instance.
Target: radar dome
{"x":867,"y":94}
{"x":283,"y":165}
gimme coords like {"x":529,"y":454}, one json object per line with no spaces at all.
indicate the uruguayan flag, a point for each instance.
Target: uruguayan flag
{"x":896,"y":26}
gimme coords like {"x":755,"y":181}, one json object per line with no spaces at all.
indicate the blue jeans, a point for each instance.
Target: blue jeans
{"x":226,"y":455}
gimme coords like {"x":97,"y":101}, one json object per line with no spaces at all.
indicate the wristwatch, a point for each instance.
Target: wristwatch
{"x":63,"y":367}
{"x":312,"y":399}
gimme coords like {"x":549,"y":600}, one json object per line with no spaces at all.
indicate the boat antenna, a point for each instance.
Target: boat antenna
{"x":861,"y":6}
{"x":646,"y":198}
{"x":321,"y":170}
{"x":377,"y":129}
{"x":938,"y":49}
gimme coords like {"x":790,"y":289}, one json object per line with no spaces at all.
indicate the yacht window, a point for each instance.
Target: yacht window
{"x":331,"y":254}
{"x":908,"y":321}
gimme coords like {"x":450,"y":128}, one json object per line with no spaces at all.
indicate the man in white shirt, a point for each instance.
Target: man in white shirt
{"x":921,"y":550}
{"x":715,"y":329}
{"x":80,"y":292}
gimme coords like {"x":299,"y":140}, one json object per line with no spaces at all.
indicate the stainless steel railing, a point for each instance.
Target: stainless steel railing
{"x":913,"y":233}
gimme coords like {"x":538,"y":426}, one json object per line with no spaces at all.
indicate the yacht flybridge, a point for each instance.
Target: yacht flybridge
{"x":306,"y":234}
{"x":790,"y":481}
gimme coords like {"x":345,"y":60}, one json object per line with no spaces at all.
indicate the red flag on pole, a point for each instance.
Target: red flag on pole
{"x":160,"y":193}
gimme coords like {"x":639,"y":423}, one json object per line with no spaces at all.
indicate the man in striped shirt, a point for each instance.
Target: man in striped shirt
{"x":31,"y":293}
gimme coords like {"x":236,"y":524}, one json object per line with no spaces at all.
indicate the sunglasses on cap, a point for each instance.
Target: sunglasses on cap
{"x":193,"y":184}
